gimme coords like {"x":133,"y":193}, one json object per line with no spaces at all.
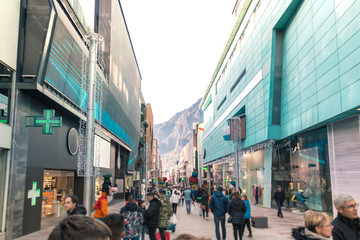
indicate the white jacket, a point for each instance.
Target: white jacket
{"x":174,"y":198}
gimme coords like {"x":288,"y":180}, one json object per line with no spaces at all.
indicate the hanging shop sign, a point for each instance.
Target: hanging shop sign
{"x":47,"y":122}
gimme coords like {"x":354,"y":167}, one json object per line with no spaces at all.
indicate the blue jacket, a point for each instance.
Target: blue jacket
{"x":187,"y":194}
{"x":218,"y":204}
{"x":247,"y":215}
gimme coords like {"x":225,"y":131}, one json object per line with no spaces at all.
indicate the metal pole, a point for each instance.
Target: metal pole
{"x":90,"y":122}
{"x":237,"y":168}
{"x":146,"y":171}
{"x":156,"y":170}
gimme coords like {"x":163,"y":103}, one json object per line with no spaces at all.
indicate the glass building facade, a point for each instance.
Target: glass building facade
{"x":304,"y":165}
{"x":291,"y":68}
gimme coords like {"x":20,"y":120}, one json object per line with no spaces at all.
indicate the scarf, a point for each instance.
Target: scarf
{"x":315,"y":236}
{"x":98,"y":203}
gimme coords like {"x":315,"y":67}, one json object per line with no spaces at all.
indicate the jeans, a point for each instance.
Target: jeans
{"x":217,"y":219}
{"x":237,"y":230}
{"x":142,"y":232}
{"x":182,"y":202}
{"x":135,"y":238}
{"x":152,"y":231}
{"x":279,"y":208}
{"x":188,"y":206}
{"x":174,"y":207}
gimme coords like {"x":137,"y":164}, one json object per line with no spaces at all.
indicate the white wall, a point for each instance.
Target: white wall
{"x":9,"y":29}
{"x":344,"y":154}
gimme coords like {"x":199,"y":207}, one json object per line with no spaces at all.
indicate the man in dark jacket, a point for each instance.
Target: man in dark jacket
{"x":219,"y":205}
{"x":279,"y":197}
{"x":151,"y":215}
{"x":133,"y":218}
{"x":72,"y":207}
{"x":347,"y":223}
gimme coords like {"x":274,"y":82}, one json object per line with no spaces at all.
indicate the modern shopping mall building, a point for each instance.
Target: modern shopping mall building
{"x":290,"y":71}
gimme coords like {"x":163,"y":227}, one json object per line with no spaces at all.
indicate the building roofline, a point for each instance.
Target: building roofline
{"x":227,"y":47}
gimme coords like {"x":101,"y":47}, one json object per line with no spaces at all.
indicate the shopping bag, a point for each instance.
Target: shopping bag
{"x":173,"y":219}
{"x":167,"y":235}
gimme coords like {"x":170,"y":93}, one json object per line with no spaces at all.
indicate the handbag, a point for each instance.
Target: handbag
{"x":229,"y":219}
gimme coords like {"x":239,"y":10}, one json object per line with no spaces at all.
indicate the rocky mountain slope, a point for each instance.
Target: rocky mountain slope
{"x":175,"y":133}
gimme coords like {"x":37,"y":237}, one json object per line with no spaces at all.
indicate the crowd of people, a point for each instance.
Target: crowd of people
{"x":158,"y":214}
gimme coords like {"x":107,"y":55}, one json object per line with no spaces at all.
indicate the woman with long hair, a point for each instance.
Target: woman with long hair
{"x":237,"y":209}
{"x":205,"y":204}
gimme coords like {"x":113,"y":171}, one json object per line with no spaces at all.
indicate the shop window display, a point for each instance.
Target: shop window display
{"x":303,"y":171}
{"x":252,"y":176}
{"x":224,"y":173}
{"x":57,"y":184}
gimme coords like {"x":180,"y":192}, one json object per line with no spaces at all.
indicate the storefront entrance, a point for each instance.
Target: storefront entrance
{"x":57,"y":184}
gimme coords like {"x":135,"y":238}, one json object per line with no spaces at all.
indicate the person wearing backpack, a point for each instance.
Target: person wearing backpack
{"x":165,"y":213}
{"x":219,"y":205}
{"x":133,"y":219}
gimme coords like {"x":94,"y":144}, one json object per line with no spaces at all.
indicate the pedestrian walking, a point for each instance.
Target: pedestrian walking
{"x":237,"y":209}
{"x":115,"y":222}
{"x":205,"y":204}
{"x":151,"y":215}
{"x":347,"y":223}
{"x":72,"y":206}
{"x":197,"y":200}
{"x":101,"y":207}
{"x":317,"y":227}
{"x":279,"y":197}
{"x":165,"y":213}
{"x":182,"y":197}
{"x":219,"y":205}
{"x":175,"y":198}
{"x":80,"y":227}
{"x":188,"y":199}
{"x":133,"y":219}
{"x":142,"y":204}
{"x":247,"y":216}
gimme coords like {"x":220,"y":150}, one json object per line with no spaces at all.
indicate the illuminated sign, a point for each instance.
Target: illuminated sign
{"x":48,"y":121}
{"x":33,"y":194}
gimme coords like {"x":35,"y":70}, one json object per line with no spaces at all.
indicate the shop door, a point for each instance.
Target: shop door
{"x":57,"y":184}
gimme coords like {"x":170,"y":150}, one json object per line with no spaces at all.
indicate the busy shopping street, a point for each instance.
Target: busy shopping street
{"x":179,"y":119}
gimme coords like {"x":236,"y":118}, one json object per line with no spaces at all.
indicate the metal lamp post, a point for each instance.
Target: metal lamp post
{"x":90,"y":121}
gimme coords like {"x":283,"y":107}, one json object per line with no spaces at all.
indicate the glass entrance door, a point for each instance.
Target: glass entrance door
{"x":57,"y":184}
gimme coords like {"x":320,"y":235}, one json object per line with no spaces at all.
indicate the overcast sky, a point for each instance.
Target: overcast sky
{"x":177,"y":44}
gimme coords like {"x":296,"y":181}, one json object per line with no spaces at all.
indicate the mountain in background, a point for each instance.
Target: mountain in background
{"x":175,"y":133}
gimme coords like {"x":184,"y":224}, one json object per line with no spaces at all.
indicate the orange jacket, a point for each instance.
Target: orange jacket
{"x":103,"y":210}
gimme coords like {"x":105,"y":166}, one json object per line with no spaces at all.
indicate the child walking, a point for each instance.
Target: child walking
{"x":247,"y":216}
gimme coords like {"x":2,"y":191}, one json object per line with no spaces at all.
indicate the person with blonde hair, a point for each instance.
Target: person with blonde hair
{"x":317,"y":227}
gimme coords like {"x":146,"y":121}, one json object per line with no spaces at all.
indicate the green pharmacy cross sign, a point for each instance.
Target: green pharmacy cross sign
{"x":33,"y":194}
{"x":48,"y":121}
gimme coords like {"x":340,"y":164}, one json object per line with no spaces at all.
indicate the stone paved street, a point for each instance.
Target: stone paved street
{"x":278,"y":228}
